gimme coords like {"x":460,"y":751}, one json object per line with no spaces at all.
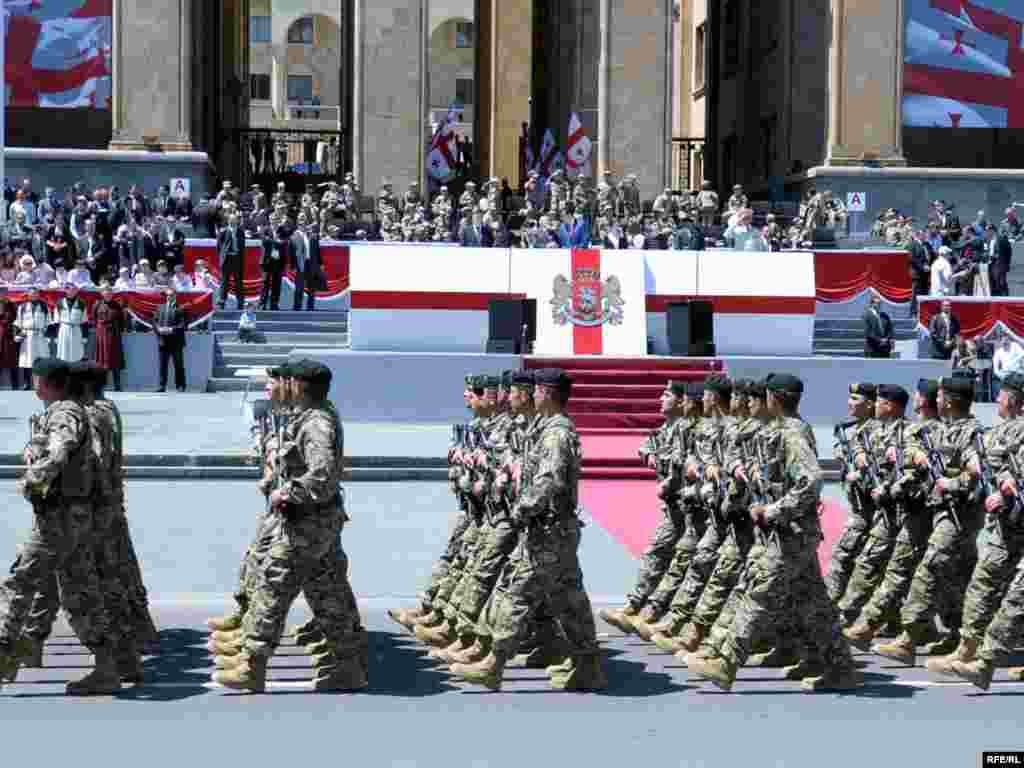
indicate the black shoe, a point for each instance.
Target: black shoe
{"x":27,"y":388}
{"x":220,"y":305}
{"x":161,"y":389}
{"x":181,"y":389}
{"x":117,"y":389}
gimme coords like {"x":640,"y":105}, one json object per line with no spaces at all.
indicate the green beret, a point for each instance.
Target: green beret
{"x":740,"y":387}
{"x":50,"y":367}
{"x":282,"y":371}
{"x":961,"y":386}
{"x":893,"y":393}
{"x":506,"y":379}
{"x":784,"y":383}
{"x":928,"y":388}
{"x":719,"y":384}
{"x":491,"y":382}
{"x":476,"y":383}
{"x":867,"y":391}
{"x":677,"y":388}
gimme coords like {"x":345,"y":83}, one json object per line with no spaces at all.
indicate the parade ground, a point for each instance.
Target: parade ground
{"x":190,"y":534}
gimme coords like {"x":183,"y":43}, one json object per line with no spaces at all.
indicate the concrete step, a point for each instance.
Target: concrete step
{"x":829,"y":324}
{"x":310,"y":326}
{"x":832,"y":352}
{"x":234,"y":348}
{"x":337,"y":316}
{"x":835,"y":333}
{"x":292,"y":340}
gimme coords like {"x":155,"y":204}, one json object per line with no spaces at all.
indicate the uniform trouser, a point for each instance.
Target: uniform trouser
{"x":732,"y":558}
{"x":500,"y":542}
{"x":869,"y":568}
{"x":694,"y":527}
{"x":253,"y":554}
{"x":990,"y":579}
{"x":1005,"y":634}
{"x":459,"y":564}
{"x":848,"y":546}
{"x":910,"y":546}
{"x":302,"y":557}
{"x":484,"y":531}
{"x":656,"y":559}
{"x":701,"y":566}
{"x":60,"y":545}
{"x":783,"y":576}
{"x":443,"y":564}
{"x":543,"y":570}
{"x":937,"y":586}
{"x":111,"y":545}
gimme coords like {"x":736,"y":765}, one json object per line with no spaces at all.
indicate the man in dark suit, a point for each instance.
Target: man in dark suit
{"x":944,"y":330}
{"x":920,"y":269}
{"x":305,"y":259}
{"x":877,"y":330}
{"x":231,"y":249}
{"x":98,"y":257}
{"x":276,"y":247}
{"x":170,"y":327}
{"x":1000,"y":255}
{"x":203,"y":219}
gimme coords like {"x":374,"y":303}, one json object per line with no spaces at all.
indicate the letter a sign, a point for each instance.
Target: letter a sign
{"x":856,"y":202}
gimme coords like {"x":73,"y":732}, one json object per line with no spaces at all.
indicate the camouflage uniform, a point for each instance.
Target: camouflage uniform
{"x":783,"y":575}
{"x":59,"y":483}
{"x":862,"y":509}
{"x":544,"y":568}
{"x":655,"y":560}
{"x":938,"y":584}
{"x":302,"y":552}
{"x":708,"y":444}
{"x":1005,"y":633}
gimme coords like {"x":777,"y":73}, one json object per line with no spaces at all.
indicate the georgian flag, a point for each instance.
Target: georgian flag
{"x":547,"y":151}
{"x":578,"y":148}
{"x":440,"y":160}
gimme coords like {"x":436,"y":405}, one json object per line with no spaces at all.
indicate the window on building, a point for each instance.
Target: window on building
{"x":699,"y":57}
{"x":464,"y":34}
{"x":259,"y":29}
{"x":464,"y":91}
{"x":300,"y":88}
{"x":731,"y":38}
{"x":259,"y":87}
{"x":301,"y":31}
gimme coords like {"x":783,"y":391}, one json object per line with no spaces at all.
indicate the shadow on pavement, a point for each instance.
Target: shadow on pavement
{"x":179,"y":670}
{"x":400,"y":667}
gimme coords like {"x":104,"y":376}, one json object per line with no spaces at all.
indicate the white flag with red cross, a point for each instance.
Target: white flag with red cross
{"x":578,"y":148}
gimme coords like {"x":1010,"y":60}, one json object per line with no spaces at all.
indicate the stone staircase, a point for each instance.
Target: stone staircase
{"x":844,"y":336}
{"x":279,"y":333}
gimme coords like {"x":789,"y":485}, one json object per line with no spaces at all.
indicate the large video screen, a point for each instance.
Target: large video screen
{"x":963,"y":64}
{"x":57,"y":53}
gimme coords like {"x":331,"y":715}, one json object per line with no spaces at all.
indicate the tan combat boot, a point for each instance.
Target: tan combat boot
{"x":903,"y":649}
{"x":978,"y":672}
{"x":104,"y":679}
{"x":440,"y":636}
{"x":666,"y":641}
{"x":550,"y":653}
{"x":584,"y":672}
{"x":803,"y":669}
{"x":775,"y":658}
{"x":691,"y":636}
{"x":835,"y":678}
{"x":23,"y":654}
{"x":431,"y":619}
{"x":249,"y":674}
{"x":223,"y":649}
{"x":228,"y":623}
{"x":966,"y":651}
{"x":342,"y":675}
{"x":307,"y":633}
{"x":860,"y":636}
{"x":472,"y":655}
{"x":643,"y":624}
{"x":1015,"y":673}
{"x":226,"y":662}
{"x":620,"y":618}
{"x":453,"y":649}
{"x":226,"y":637}
{"x":715,"y":669}
{"x":487,"y":672}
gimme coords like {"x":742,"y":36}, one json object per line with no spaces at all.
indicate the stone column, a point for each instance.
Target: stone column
{"x":866,"y":83}
{"x":279,"y":83}
{"x":358,"y":22}
{"x":151,"y":104}
{"x":506,"y":94}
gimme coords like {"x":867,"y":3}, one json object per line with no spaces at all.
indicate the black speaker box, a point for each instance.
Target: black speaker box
{"x":505,"y":321}
{"x":691,"y":329}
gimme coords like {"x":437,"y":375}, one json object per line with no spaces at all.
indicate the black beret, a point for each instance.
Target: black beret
{"x":785,"y":383}
{"x":506,"y":379}
{"x":677,"y":388}
{"x":695,"y":390}
{"x":719,"y":384}
{"x":476,"y":383}
{"x":957,"y":385}
{"x":1013,"y":382}
{"x":757,"y":389}
{"x":491,"y":382}
{"x":552,"y":377}
{"x":522,"y":379}
{"x":47,"y":367}
{"x":894,"y":393}
{"x":741,"y":386}
{"x":929,"y":388}
{"x":865,"y":390}
{"x":470,"y":381}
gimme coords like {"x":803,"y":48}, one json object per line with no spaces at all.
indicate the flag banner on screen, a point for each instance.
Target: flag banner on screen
{"x":964,"y":64}
{"x":58,"y":53}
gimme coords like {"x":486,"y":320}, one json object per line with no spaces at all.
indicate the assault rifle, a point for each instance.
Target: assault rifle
{"x":937,"y":469}
{"x":759,"y":491}
{"x":1013,"y":514}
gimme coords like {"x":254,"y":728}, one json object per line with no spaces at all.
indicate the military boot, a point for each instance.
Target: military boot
{"x":486,"y":672}
{"x":942,"y":646}
{"x":472,"y":655}
{"x":129,"y":662}
{"x":218,"y":648}
{"x":228,"y":623}
{"x":776,"y":657}
{"x":29,"y":652}
{"x":347,"y":674}
{"x":903,"y":649}
{"x":620,"y":618}
{"x":643,"y":624}
{"x":715,"y":669}
{"x":803,"y":669}
{"x":548,"y":654}
{"x":835,"y":678}
{"x":965,"y":652}
{"x":453,"y":649}
{"x":104,"y":680}
{"x":860,"y":636}
{"x":8,"y":668}
{"x":585,"y":672}
{"x":306,"y":634}
{"x":226,"y":662}
{"x":249,"y":674}
{"x":226,"y":637}
{"x":431,"y":619}
{"x":978,"y":672}
{"x":691,"y":636}
{"x":440,"y":635}
{"x":145,"y":627}
{"x":1015,"y":673}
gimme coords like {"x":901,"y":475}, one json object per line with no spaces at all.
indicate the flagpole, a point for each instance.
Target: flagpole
{"x":3,"y":109}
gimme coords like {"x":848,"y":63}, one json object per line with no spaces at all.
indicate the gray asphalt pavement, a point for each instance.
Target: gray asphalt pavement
{"x":190,"y":537}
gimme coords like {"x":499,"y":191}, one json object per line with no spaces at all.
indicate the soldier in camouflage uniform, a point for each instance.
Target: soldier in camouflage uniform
{"x":655,"y":453}
{"x":900,"y":496}
{"x":739,"y":533}
{"x":424,"y":612}
{"x":783,"y":574}
{"x":938,"y":583}
{"x":59,"y":483}
{"x":544,"y":568}
{"x":703,"y":471}
{"x":861,"y":407}
{"x":306,"y":518}
{"x":1002,"y":551}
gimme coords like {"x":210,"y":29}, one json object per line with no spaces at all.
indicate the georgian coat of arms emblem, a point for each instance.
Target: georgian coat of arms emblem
{"x":586,"y":300}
